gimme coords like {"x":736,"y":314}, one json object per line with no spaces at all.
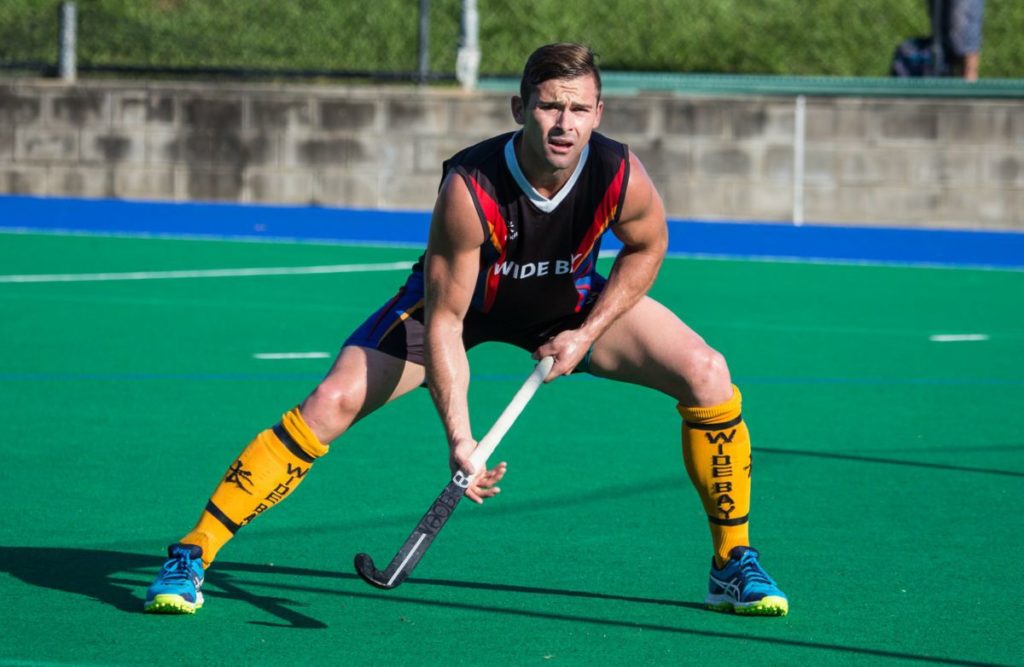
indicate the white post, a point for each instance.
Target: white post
{"x":467,"y":60}
{"x":423,"y":69}
{"x":68,"y":37}
{"x":798,"y":160}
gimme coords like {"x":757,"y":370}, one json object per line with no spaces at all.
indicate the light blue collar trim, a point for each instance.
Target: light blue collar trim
{"x":539,"y":200}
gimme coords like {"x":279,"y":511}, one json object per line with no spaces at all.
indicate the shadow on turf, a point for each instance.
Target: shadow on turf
{"x":895,"y":462}
{"x":119,"y":578}
{"x":105,"y":576}
{"x":507,"y":588}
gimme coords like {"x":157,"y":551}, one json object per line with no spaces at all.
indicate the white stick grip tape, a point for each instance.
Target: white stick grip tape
{"x":487,"y":445}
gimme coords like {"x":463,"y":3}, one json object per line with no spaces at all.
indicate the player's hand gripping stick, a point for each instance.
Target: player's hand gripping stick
{"x":433,"y":521}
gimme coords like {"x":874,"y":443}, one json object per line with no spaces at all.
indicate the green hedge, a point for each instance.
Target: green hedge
{"x":797,"y":37}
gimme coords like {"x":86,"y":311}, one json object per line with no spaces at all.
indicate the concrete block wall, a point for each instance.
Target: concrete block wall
{"x":867,"y":161}
{"x":893,"y":162}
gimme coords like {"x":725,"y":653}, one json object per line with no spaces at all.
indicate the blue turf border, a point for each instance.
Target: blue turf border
{"x":740,"y":240}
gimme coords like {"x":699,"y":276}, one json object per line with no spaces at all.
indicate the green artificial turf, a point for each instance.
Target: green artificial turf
{"x":887,"y":479}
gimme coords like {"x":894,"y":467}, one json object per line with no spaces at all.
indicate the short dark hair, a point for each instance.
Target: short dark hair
{"x":558,"y":61}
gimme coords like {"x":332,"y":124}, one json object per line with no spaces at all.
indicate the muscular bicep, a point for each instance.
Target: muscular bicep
{"x":642,"y":225}
{"x":453,"y":252}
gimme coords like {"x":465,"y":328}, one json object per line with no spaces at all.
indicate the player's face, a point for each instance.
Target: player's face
{"x":557,"y":121}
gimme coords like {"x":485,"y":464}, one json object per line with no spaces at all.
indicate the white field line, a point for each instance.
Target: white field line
{"x":957,"y":338}
{"x":203,"y":273}
{"x":291,"y":355}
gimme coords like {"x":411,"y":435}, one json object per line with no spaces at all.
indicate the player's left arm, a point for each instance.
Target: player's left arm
{"x":643,"y":230}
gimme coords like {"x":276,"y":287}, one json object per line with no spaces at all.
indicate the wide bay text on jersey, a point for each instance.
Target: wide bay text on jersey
{"x":535,"y":269}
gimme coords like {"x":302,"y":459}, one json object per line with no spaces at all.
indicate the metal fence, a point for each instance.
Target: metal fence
{"x":431,"y":40}
{"x":390,"y":41}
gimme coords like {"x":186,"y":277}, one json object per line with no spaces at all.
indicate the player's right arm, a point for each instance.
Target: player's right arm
{"x":452,"y":266}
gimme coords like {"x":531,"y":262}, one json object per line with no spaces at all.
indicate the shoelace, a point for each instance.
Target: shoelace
{"x":752,"y":571}
{"x":178,"y":568}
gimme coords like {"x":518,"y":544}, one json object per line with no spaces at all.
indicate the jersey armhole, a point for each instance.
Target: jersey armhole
{"x":487,"y":245}
{"x":625,"y":186}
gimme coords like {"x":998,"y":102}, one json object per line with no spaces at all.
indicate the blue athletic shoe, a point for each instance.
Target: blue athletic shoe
{"x":176,"y":589}
{"x":742,"y":586}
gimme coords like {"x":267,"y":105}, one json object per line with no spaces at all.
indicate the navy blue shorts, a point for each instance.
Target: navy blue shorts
{"x":396,"y":328}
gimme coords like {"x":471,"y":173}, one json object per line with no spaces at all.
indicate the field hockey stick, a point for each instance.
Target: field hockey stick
{"x":433,"y":521}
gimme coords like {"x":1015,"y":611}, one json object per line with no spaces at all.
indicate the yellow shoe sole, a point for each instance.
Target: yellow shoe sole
{"x":769,"y":606}
{"x":171,"y":604}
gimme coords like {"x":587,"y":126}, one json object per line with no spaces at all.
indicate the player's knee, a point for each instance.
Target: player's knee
{"x":712,"y":382}
{"x":334,"y":405}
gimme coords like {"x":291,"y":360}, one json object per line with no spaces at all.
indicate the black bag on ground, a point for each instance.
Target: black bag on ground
{"x":914,"y":57}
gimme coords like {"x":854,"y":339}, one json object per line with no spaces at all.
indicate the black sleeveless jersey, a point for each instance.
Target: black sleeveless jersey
{"x":538,"y":262}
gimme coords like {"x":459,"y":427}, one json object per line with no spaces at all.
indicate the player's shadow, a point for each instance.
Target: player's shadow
{"x":119,"y":579}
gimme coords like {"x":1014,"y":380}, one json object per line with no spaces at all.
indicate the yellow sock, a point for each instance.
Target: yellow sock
{"x":269,"y":469}
{"x":716,"y":451}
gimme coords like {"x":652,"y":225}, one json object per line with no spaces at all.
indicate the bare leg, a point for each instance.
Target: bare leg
{"x":652,"y":347}
{"x":360,"y":381}
{"x":971,"y":63}
{"x":273,"y":465}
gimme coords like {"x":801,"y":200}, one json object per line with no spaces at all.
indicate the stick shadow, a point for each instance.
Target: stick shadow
{"x":117,"y":578}
{"x":113,"y":578}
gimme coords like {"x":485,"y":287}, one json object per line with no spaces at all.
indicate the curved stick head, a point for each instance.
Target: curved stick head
{"x":371,"y":575}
